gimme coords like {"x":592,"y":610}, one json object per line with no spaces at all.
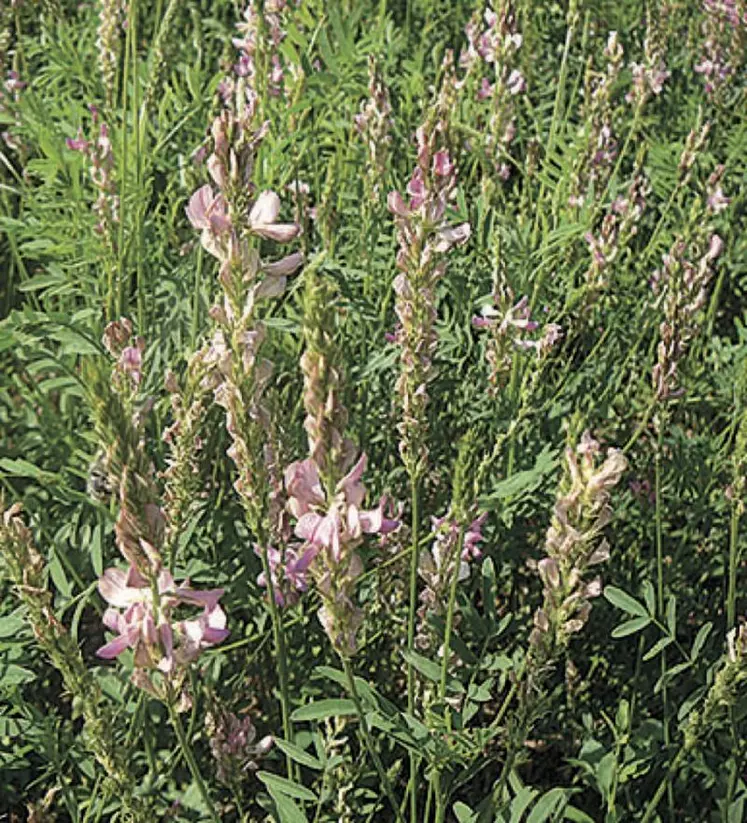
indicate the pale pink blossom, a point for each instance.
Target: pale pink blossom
{"x":263,"y":216}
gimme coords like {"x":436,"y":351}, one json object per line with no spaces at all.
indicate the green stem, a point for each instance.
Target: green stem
{"x":415,"y":497}
{"x":446,"y":655}
{"x":660,"y":583}
{"x":731,"y":597}
{"x":191,"y":762}
{"x":280,"y":654}
{"x":664,"y":786}
{"x":386,"y":785}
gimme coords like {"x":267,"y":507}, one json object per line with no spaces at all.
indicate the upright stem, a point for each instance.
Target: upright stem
{"x":665,"y":785}
{"x":415,"y":500}
{"x":191,"y":762}
{"x":278,"y":636}
{"x":731,"y":597}
{"x":386,"y":785}
{"x":446,"y":655}
{"x":660,"y":583}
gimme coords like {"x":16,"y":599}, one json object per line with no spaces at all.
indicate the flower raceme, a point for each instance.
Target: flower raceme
{"x":342,"y":524}
{"x":140,"y":613}
{"x":573,"y":544}
{"x":332,"y":526}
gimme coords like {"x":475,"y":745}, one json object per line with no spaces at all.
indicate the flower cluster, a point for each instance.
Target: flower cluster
{"x":374,"y":123}
{"x":437,"y":566}
{"x":511,"y":327}
{"x":493,"y":49}
{"x":331,"y":524}
{"x":99,"y":153}
{"x":573,"y":544}
{"x":694,"y":144}
{"x":232,"y":221}
{"x":650,"y":76}
{"x":234,"y":744}
{"x":181,"y":476}
{"x":29,"y":573}
{"x":128,"y":351}
{"x":10,"y":95}
{"x":260,"y":35}
{"x":618,"y":228}
{"x":140,"y":614}
{"x":683,"y":287}
{"x":723,"y":43}
{"x":599,"y":146}
{"x":424,"y":238}
{"x":107,"y":44}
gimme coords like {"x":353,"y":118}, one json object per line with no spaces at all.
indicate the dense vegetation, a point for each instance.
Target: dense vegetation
{"x":487,"y":260}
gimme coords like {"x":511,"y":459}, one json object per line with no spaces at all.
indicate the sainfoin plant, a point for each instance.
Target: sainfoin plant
{"x":373,"y":411}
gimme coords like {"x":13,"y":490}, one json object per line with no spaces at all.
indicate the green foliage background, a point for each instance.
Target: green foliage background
{"x":598,"y":751}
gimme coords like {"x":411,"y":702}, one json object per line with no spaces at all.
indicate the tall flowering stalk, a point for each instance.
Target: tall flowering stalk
{"x":511,"y":328}
{"x":28,"y":572}
{"x":424,"y":237}
{"x":181,"y":478}
{"x":326,"y":496}
{"x":107,"y":43}
{"x":374,"y":123}
{"x":726,"y":688}
{"x":599,"y":145}
{"x":325,"y":492}
{"x":144,"y":597}
{"x":722,"y":56}
{"x":233,"y":220}
{"x":618,"y":228}
{"x":574,"y":544}
{"x":98,"y":151}
{"x":491,"y":54}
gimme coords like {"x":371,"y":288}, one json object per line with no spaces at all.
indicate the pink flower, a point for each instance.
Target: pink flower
{"x":516,"y":82}
{"x":262,"y":219}
{"x":207,"y":211}
{"x":151,"y":637}
{"x":340,"y":524}
{"x":289,"y":572}
{"x":442,"y":165}
{"x":485,"y":90}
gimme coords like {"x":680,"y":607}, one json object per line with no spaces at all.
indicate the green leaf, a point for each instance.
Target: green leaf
{"x":286,"y":787}
{"x":630,"y":627}
{"x":488,"y":588}
{"x":657,"y":648}
{"x":523,"y":481}
{"x":624,"y":601}
{"x":431,"y":670}
{"x":672,"y":615}
{"x":321,"y":709}
{"x":463,"y":813}
{"x":297,"y":754}
{"x":547,"y":805}
{"x":700,"y":639}
{"x":649,"y":595}
{"x":521,"y":803}
{"x":576,"y":815}
{"x":11,"y":625}
{"x":287,"y":810}
{"x":12,"y":675}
